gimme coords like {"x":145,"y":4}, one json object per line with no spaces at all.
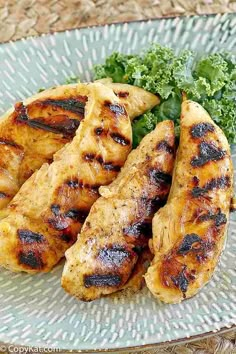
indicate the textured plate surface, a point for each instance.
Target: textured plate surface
{"x":34,"y":310}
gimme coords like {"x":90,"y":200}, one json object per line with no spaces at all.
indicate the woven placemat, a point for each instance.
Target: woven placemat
{"x":21,"y":18}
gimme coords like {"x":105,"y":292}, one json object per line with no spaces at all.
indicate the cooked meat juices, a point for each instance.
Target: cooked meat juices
{"x":119,"y":224}
{"x":35,"y":129}
{"x":45,"y":216}
{"x":189,"y":232}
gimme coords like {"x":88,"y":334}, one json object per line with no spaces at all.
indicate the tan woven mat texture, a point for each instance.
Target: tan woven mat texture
{"x":21,"y":18}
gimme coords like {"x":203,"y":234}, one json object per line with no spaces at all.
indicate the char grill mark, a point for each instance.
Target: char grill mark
{"x":164,"y":146}
{"x":181,"y":281}
{"x":120,"y":139}
{"x":31,"y":259}
{"x":154,"y":204}
{"x":67,"y":126}
{"x":66,"y":237}
{"x":9,"y":143}
{"x":187,"y":243}
{"x":207,"y":152}
{"x":220,"y":182}
{"x":29,"y":237}
{"x":215,"y":183}
{"x":58,"y":223}
{"x":138,"y":250}
{"x":219,"y":218}
{"x":201,"y":129}
{"x":77,"y":214}
{"x":198,"y":192}
{"x":110,"y":167}
{"x":159,"y":177}
{"x":174,"y":273}
{"x":98,"y":131}
{"x":139,"y":229}
{"x":89,"y":156}
{"x":63,"y":125}
{"x":3,"y":195}
{"x":71,"y":104}
{"x":74,"y":183}
{"x":92,"y":187}
{"x":107,"y":165}
{"x":116,"y":109}
{"x":151,"y":205}
{"x":55,"y":208}
{"x":101,"y":280}
{"x":114,"y":255}
{"x":122,"y":94}
{"x":194,"y":245}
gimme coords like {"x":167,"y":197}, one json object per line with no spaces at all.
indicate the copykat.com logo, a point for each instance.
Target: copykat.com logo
{"x":26,"y":350}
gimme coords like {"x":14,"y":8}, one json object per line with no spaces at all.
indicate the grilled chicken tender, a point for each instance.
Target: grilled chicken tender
{"x":135,"y":99}
{"x":119,"y":224}
{"x":189,"y":232}
{"x":45,"y":216}
{"x":35,"y":129}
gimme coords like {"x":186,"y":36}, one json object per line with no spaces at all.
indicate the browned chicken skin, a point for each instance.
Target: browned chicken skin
{"x":35,"y":129}
{"x":119,"y":224}
{"x":189,"y":232}
{"x":45,"y":216}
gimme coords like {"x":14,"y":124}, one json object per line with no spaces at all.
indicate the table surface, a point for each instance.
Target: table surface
{"x":21,"y":18}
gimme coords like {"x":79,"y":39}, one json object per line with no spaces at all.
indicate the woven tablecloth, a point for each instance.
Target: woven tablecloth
{"x":20,"y":18}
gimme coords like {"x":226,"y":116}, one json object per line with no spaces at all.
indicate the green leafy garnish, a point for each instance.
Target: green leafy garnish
{"x":209,"y":80}
{"x":72,"y":80}
{"x":41,"y":89}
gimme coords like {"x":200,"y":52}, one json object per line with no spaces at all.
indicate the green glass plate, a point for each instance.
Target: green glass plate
{"x":34,"y":310}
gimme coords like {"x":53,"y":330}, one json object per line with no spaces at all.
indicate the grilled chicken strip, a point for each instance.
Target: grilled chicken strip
{"x":35,"y":129}
{"x":136,"y":101}
{"x":189,"y":232}
{"x":119,"y":224}
{"x":45,"y":216}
